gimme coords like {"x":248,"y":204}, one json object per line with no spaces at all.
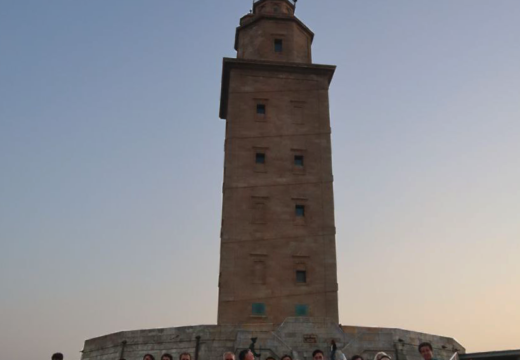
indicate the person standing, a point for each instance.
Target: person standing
{"x":426,"y":351}
{"x":228,"y":355}
{"x":246,"y":354}
{"x":381,"y":356}
{"x":185,"y":356}
{"x":318,"y":355}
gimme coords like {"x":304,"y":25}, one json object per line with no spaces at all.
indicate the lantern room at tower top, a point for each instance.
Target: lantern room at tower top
{"x":272,"y":4}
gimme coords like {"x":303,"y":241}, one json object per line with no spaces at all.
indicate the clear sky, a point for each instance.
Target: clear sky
{"x":111,"y":156}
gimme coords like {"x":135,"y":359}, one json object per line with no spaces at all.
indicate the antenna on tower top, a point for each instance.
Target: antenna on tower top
{"x":295,"y":1}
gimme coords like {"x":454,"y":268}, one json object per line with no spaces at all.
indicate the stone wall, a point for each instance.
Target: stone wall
{"x":264,"y":243}
{"x":297,"y":337}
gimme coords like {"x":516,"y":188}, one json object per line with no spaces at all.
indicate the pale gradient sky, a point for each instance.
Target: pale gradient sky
{"x":111,"y":156}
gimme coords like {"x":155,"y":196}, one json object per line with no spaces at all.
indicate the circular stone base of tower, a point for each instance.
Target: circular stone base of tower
{"x":297,"y":336}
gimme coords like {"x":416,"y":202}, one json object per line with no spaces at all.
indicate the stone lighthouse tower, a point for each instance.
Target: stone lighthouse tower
{"x":278,"y":282}
{"x":278,"y":248}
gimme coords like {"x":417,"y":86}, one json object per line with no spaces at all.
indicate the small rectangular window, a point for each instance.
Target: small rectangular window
{"x":298,"y":160}
{"x":300,"y":210}
{"x":260,"y":109}
{"x":298,"y":114}
{"x":301,"y":276}
{"x":301,"y":310}
{"x":259,"y":272}
{"x":259,"y":213}
{"x":260,"y":158}
{"x":258,"y":309}
{"x":278,"y":45}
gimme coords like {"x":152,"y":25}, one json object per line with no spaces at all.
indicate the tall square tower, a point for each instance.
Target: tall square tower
{"x":278,"y":247}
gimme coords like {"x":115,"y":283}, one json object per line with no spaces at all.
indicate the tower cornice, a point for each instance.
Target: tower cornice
{"x":276,"y":66}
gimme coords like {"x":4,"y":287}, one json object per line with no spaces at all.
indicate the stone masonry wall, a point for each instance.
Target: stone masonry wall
{"x":297,"y":337}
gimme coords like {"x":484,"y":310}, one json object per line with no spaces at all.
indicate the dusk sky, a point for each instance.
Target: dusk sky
{"x":111,"y":165}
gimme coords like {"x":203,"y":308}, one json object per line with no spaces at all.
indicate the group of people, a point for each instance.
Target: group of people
{"x":183,"y":356}
{"x":246,"y":354}
{"x":425,"y":349}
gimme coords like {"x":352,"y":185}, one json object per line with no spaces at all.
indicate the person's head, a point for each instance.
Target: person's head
{"x":286,"y":357}
{"x":426,"y":350}
{"x":166,"y":357}
{"x":318,"y":355}
{"x":228,"y":355}
{"x":382,"y":356}
{"x":246,"y":354}
{"x":57,"y":356}
{"x":269,"y":358}
{"x":185,"y":356}
{"x":148,"y":357}
{"x":357,"y":357}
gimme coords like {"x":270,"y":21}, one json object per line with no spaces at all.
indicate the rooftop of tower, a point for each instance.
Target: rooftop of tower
{"x":257,"y":3}
{"x":273,"y":10}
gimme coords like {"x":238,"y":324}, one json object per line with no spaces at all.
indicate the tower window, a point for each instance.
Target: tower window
{"x":301,"y":310}
{"x":259,"y":272}
{"x":298,"y":160}
{"x":260,"y":109}
{"x":301,"y":276}
{"x":298,"y":111}
{"x":259,"y":213}
{"x":300,"y":210}
{"x":278,"y":45}
{"x":260,"y":158}
{"x":258,"y":309}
